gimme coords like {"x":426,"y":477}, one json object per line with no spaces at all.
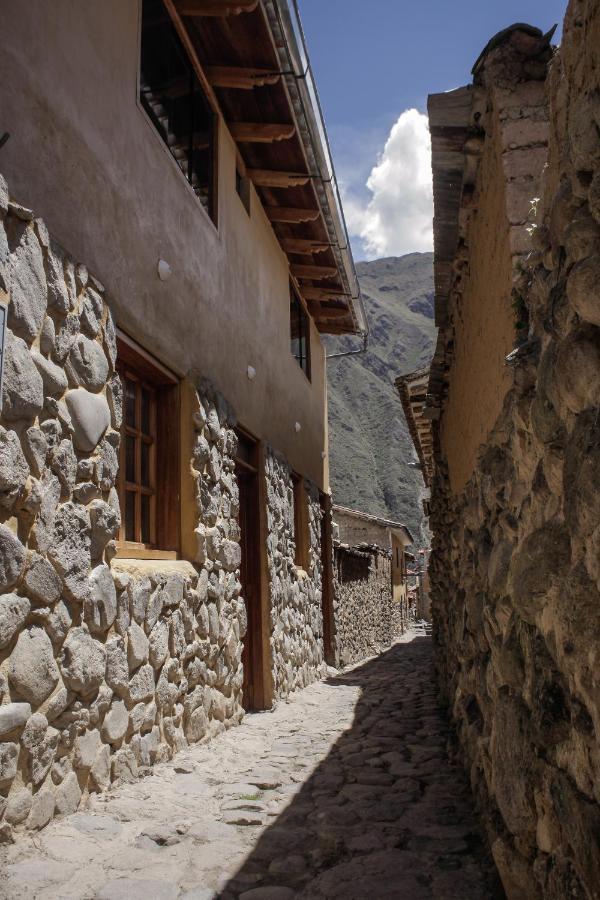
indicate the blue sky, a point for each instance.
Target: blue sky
{"x":375,"y":60}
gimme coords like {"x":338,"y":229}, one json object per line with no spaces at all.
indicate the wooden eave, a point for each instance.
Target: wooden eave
{"x":240,"y":68}
{"x":413,"y":390}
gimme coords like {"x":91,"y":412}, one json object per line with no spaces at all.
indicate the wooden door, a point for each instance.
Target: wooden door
{"x":327,"y":585}
{"x":250,"y":571}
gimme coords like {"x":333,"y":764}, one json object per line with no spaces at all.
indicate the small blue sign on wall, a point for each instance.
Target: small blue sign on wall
{"x":3,"y":315}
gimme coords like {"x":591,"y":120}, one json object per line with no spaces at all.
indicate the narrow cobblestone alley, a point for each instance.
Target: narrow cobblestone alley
{"x":345,"y":791}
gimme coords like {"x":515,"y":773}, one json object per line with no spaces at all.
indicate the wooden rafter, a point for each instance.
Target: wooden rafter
{"x":320,"y":293}
{"x":307,"y":271}
{"x":239,"y":78}
{"x":215,"y":7}
{"x":182,"y":31}
{"x":271,"y":178}
{"x":303,"y":246}
{"x":291,"y":214}
{"x":336,"y":328}
{"x":260,"y":132}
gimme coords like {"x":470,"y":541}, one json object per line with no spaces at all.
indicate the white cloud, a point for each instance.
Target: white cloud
{"x":397,"y":218}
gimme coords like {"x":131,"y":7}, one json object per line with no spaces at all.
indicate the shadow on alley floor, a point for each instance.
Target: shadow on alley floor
{"x":345,"y":791}
{"x":385,"y":814}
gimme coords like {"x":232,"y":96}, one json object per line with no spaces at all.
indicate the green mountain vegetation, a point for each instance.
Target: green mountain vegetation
{"x":370,"y":445}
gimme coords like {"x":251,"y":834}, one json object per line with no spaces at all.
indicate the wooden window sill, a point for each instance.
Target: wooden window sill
{"x":143,"y":566}
{"x":135,"y":551}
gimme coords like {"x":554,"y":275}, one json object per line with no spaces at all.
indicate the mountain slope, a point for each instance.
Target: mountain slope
{"x":370,"y":446}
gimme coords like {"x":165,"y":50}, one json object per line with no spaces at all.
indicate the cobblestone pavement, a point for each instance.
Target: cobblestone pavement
{"x":346,"y":791}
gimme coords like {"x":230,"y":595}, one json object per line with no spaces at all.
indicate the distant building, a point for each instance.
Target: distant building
{"x":371,"y":582}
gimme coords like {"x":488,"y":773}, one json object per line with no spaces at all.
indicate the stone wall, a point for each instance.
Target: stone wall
{"x":515,"y":572}
{"x":106,"y":665}
{"x":296,"y":596}
{"x":367,"y":619}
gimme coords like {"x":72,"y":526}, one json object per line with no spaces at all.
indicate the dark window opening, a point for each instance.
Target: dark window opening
{"x":300,"y":332}
{"x":301,"y":530}
{"x":242,"y":186}
{"x":353,"y":567}
{"x":173,"y":98}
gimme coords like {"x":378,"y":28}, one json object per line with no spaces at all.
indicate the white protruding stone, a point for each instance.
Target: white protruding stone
{"x":164,"y":270}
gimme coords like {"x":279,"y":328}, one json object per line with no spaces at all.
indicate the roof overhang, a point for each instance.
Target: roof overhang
{"x":251,"y":57}
{"x":413,"y":389}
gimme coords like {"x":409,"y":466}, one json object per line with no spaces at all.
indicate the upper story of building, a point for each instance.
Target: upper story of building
{"x":489,"y":148}
{"x":188,"y":133}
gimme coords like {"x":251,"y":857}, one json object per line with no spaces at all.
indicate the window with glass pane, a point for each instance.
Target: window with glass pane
{"x":138,"y":459}
{"x":173,"y":97}
{"x":299,"y":332}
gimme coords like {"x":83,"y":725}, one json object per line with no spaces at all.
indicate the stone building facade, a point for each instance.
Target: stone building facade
{"x":515,"y":574}
{"x":371,"y":607}
{"x":165,"y":539}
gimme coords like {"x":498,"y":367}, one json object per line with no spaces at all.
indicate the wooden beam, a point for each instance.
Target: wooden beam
{"x":215,"y":7}
{"x":302,"y":271}
{"x":261,"y":133}
{"x":303,"y":246}
{"x":332,"y":312}
{"x":271,"y":178}
{"x":320,"y":293}
{"x":291,"y":214}
{"x":239,"y":78}
{"x":335,"y":328}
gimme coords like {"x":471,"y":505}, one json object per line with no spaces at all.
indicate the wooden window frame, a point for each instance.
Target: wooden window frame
{"x":301,"y":525}
{"x":135,"y":362}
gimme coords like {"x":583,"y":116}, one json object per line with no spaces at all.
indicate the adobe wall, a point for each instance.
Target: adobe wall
{"x":83,"y":153}
{"x":483,"y":321}
{"x":515,"y":568}
{"x":109,"y":665}
{"x":357,"y":530}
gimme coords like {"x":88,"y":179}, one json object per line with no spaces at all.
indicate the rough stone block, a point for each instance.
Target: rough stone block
{"x":23,"y":389}
{"x":42,"y":583}
{"x":12,"y":716}
{"x":32,"y":670}
{"x":9,"y":753}
{"x":83,"y":662}
{"x":42,"y":809}
{"x":18,"y":806}
{"x":90,"y":416}
{"x":13,"y":613}
{"x":28,"y":287}
{"x":137,"y":646}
